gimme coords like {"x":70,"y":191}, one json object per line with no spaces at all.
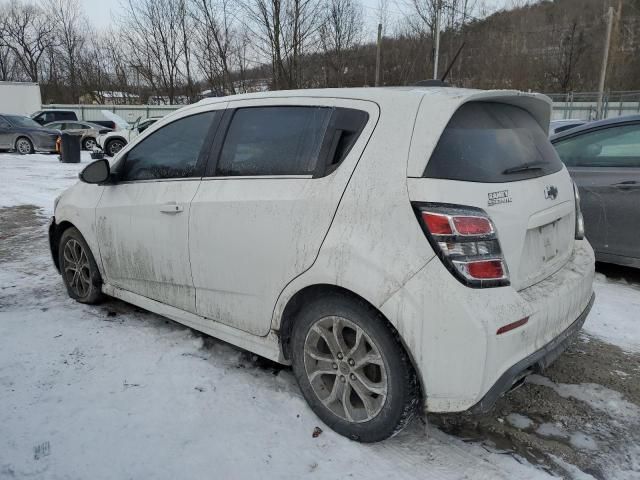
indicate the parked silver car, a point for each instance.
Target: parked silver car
{"x":87,"y":130}
{"x":603,"y":158}
{"x":26,"y":136}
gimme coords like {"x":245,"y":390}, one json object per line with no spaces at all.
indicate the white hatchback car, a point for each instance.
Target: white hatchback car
{"x":402,"y":248}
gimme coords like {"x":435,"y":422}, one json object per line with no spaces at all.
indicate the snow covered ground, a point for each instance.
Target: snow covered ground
{"x":113,"y":392}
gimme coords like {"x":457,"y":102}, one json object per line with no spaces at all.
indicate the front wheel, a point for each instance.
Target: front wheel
{"x":352,"y":369}
{"x":78,"y":267}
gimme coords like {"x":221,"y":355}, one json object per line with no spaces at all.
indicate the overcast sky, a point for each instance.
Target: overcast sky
{"x":101,"y":11}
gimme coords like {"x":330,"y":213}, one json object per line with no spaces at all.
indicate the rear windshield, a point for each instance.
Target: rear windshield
{"x":492,"y":142}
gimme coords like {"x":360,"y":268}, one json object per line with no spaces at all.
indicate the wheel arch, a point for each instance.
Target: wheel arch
{"x":55,"y":234}
{"x":26,"y":136}
{"x":312,"y":292}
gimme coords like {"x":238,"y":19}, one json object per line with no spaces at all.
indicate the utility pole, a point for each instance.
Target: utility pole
{"x":436,"y":42}
{"x":605,"y":61}
{"x":378,"y":55}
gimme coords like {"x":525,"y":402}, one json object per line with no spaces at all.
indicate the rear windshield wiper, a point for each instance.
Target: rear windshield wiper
{"x":525,"y":167}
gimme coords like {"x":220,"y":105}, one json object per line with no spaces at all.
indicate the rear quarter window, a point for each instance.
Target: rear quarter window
{"x":491,"y":143}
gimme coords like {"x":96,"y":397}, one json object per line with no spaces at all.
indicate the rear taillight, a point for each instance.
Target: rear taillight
{"x":466,"y":241}
{"x":579,"y":218}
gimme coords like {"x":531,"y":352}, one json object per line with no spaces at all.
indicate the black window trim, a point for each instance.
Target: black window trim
{"x":323,"y":167}
{"x":593,"y":130}
{"x":203,"y":154}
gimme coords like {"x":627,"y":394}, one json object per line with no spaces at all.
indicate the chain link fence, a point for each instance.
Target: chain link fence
{"x":583,"y":105}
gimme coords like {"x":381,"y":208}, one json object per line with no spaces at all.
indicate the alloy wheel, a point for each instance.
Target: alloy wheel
{"x":90,"y":144}
{"x":23,"y":146}
{"x":345,"y":369}
{"x":115,"y":147}
{"x":76,"y":268}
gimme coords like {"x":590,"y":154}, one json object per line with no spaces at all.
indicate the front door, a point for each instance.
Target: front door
{"x":142,"y":220}
{"x":259,"y":217}
{"x":605,"y":165}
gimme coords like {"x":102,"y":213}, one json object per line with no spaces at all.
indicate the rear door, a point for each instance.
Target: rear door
{"x":605,"y":164}
{"x":274,"y":182}
{"x":497,"y":157}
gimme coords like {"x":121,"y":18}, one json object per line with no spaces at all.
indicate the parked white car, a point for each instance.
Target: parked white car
{"x":112,"y":142}
{"x":402,"y":248}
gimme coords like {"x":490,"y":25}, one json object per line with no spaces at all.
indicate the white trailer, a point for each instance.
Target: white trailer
{"x":19,"y":98}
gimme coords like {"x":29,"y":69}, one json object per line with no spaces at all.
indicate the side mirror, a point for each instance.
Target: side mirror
{"x":96,"y":172}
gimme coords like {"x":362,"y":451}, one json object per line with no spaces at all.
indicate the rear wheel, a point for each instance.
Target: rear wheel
{"x":24,"y":146}
{"x":89,"y":143}
{"x":114,"y":146}
{"x":352,"y":369}
{"x":78,"y":267}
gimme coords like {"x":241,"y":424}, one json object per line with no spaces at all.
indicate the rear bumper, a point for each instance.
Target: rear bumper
{"x":451,"y":330}
{"x":534,"y":363}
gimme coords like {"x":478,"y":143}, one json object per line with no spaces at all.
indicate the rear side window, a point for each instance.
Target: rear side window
{"x":274,"y":141}
{"x":66,"y":116}
{"x":492,"y":142}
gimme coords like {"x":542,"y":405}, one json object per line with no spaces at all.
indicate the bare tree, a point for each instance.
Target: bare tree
{"x":340,"y":32}
{"x":71,"y":29}
{"x":569,"y":52}
{"x":8,"y":66}
{"x":155,"y":41}
{"x":28,"y":33}
{"x":214,"y":43}
{"x":284,"y":27}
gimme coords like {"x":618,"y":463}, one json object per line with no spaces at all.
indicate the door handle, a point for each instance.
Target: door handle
{"x":171,"y":208}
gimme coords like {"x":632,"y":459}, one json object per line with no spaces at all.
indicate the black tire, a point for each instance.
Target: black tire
{"x":112,"y":147}
{"x":402,"y":396}
{"x":92,"y":294}
{"x":24,"y":146}
{"x":87,"y":141}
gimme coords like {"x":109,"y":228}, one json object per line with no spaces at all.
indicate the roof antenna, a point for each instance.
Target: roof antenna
{"x":441,"y":82}
{"x":446,"y":73}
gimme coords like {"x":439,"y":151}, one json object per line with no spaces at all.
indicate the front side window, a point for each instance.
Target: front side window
{"x":171,"y":152}
{"x":274,"y":141}
{"x":610,"y":147}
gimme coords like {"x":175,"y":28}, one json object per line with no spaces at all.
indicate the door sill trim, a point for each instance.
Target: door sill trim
{"x":267,"y":346}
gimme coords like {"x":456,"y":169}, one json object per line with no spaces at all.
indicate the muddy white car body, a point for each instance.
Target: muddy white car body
{"x":236,"y":256}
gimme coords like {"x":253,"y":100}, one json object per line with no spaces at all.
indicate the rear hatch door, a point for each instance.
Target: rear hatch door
{"x":497,"y":157}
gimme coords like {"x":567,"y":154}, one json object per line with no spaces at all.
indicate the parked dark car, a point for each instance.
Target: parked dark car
{"x":25,"y":136}
{"x":558,"y":126}
{"x":44,"y":117}
{"x":603,"y":158}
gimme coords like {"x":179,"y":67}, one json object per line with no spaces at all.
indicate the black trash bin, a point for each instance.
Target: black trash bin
{"x":70,"y":148}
